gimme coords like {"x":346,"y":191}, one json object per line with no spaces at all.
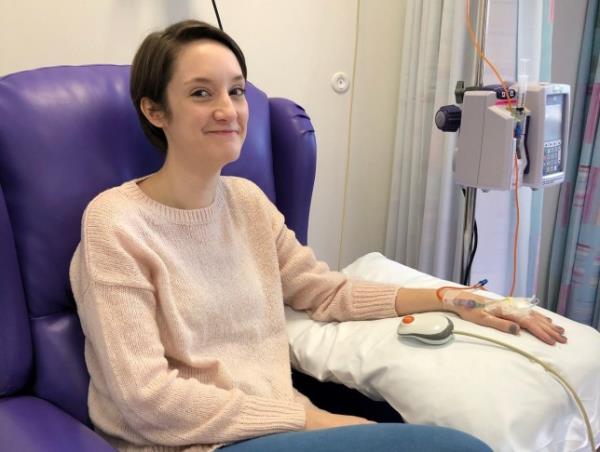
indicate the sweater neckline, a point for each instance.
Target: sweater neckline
{"x":203,"y":215}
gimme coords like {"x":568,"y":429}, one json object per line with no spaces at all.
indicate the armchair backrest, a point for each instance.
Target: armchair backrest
{"x":66,"y":134}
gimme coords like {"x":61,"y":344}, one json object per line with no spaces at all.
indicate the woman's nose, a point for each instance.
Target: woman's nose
{"x":224,"y":109}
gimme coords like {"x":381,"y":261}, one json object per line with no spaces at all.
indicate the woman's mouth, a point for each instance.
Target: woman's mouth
{"x":224,"y":132}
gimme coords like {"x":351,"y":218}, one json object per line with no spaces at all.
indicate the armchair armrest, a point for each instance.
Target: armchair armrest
{"x":30,"y":424}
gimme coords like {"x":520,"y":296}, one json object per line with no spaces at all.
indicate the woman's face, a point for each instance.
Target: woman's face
{"x":208,"y":112}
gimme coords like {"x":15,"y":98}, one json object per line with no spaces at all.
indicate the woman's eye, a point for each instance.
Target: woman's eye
{"x":200,"y":93}
{"x":238,"y":92}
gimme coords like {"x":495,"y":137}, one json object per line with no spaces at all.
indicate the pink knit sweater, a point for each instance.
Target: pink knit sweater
{"x":183,"y":316}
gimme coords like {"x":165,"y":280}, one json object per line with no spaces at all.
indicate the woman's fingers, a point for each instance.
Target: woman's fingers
{"x":542,"y":333}
{"x":539,"y":321}
{"x":536,"y":323}
{"x":557,"y":334}
{"x":508,"y":326}
{"x":557,"y":328}
{"x":539,"y":315}
{"x":545,"y":330}
{"x":541,"y":327}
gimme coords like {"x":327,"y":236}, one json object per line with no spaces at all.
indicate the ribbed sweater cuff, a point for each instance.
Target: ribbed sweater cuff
{"x":373,"y":300}
{"x":278,"y":415}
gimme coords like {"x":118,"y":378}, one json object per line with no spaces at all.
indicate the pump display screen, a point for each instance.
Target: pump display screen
{"x":553,"y":134}
{"x":554,"y":109}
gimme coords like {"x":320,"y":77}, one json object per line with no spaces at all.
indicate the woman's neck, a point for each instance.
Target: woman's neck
{"x":180,"y":187}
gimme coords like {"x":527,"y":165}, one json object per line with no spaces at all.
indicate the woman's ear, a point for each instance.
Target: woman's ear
{"x":153,"y":112}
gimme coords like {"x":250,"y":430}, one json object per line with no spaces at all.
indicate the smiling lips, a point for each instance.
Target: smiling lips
{"x":224,"y":132}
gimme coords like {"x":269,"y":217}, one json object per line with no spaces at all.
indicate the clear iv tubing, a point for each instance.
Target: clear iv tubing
{"x":549,"y":369}
{"x":516,"y":167}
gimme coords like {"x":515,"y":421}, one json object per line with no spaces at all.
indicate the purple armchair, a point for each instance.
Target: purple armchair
{"x":67,"y":133}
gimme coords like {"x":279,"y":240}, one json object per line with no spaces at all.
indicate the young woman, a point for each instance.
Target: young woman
{"x":181,"y":277}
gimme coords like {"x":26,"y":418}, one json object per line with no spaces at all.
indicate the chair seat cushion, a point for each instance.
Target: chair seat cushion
{"x":30,"y":424}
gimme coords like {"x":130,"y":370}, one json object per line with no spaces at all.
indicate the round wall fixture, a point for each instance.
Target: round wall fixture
{"x":340,"y":82}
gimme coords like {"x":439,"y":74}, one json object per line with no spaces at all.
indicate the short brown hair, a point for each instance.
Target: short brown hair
{"x":152,"y":67}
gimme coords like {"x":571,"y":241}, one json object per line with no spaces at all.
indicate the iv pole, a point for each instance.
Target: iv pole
{"x":470,"y":192}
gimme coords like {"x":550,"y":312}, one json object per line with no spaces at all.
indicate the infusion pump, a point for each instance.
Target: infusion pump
{"x":548,"y":134}
{"x":491,"y":135}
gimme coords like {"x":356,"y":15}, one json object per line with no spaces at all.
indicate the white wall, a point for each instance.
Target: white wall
{"x":292,"y":48}
{"x":372,"y":128}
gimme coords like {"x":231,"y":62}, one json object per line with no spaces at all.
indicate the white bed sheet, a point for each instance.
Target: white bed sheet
{"x":498,"y":396}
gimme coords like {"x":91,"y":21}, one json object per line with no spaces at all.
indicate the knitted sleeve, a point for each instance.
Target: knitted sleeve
{"x":308,"y":284}
{"x":117,"y":307}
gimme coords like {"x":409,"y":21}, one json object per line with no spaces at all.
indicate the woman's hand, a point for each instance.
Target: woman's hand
{"x":318,"y":419}
{"x":537,"y":324}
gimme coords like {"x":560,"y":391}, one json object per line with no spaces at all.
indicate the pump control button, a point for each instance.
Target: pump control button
{"x":408,"y":319}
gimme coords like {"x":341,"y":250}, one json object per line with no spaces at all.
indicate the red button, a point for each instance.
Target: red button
{"x":408,"y":319}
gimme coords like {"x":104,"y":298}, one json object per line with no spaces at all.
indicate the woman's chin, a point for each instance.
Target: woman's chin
{"x":231,"y":155}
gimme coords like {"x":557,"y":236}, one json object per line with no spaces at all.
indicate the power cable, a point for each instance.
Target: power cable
{"x":214,"y":3}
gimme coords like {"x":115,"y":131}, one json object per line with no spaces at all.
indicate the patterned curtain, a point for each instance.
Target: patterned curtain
{"x":575,"y":263}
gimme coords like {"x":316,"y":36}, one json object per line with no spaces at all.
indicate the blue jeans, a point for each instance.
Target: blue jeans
{"x":365,"y":438}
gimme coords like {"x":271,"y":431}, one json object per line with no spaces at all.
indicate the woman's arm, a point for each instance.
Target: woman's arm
{"x":316,"y":418}
{"x":309,"y":285}
{"x":413,"y":300}
{"x":164,"y":407}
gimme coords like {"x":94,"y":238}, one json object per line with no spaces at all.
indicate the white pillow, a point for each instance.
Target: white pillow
{"x":496,"y":395}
